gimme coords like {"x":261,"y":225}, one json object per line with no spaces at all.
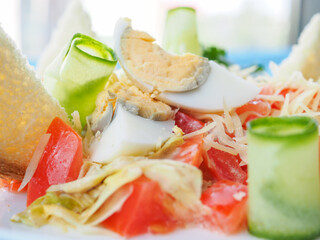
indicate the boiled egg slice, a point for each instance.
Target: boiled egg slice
{"x":152,"y":68}
{"x":129,"y":135}
{"x":190,"y":82}
{"x":222,"y":89}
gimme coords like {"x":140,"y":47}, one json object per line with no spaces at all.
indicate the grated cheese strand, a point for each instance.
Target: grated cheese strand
{"x":222,"y":147}
{"x":285,"y":106}
{"x":238,"y":129}
{"x":203,"y":130}
{"x":228,"y":120}
{"x":315,"y":103}
{"x":273,"y":98}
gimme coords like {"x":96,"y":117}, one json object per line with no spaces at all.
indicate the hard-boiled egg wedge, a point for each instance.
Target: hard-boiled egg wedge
{"x":152,"y":68}
{"x":221,"y":89}
{"x":119,"y":88}
{"x":129,"y":135}
{"x":144,"y":62}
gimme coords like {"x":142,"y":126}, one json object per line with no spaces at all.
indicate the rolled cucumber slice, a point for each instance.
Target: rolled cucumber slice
{"x":284,"y":184}
{"x":181,"y":34}
{"x":79,"y":73}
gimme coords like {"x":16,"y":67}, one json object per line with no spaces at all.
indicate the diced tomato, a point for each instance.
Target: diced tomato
{"x":267,"y":90}
{"x":189,"y":152}
{"x":224,"y":166}
{"x":257,"y":106}
{"x":228,"y":201}
{"x":285,"y":91}
{"x":11,"y":185}
{"x":255,"y":109}
{"x":143,"y":211}
{"x":60,"y":162}
{"x":186,"y":123}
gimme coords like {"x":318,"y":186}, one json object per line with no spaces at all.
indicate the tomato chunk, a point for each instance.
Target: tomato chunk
{"x":11,"y":185}
{"x":186,"y":123}
{"x":228,"y":201}
{"x":60,"y":162}
{"x":254,"y":109}
{"x":267,"y":90}
{"x":143,"y":212}
{"x":224,"y":166}
{"x":190,"y":151}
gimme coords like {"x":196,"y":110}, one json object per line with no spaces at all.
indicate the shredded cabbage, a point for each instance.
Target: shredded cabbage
{"x":103,"y":190}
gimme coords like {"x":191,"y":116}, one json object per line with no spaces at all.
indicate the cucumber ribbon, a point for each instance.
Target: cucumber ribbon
{"x":181,"y":34}
{"x":284,"y":185}
{"x":79,"y":73}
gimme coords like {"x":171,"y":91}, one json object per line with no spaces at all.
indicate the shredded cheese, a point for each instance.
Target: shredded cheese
{"x":76,"y":121}
{"x":224,"y":131}
{"x":221,"y":147}
{"x":33,"y":164}
{"x":284,"y":110}
{"x":228,"y":120}
{"x":315,"y":103}
{"x":238,"y":129}
{"x":272,"y":98}
{"x":203,"y":130}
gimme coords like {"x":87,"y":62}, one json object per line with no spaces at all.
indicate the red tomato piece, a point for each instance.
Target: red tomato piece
{"x":190,"y":151}
{"x":267,"y":90}
{"x":228,"y":201}
{"x":255,"y":109}
{"x":60,"y":162}
{"x":11,"y":185}
{"x":257,"y":106}
{"x":186,"y":123}
{"x":285,"y":91}
{"x":224,"y":166}
{"x":143,"y":211}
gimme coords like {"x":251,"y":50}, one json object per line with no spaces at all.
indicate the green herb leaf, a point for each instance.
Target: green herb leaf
{"x":215,"y":54}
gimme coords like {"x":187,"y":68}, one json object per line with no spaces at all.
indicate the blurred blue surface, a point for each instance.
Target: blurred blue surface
{"x":32,"y":63}
{"x":249,"y":57}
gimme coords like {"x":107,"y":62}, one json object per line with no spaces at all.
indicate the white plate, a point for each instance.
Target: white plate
{"x":11,"y":204}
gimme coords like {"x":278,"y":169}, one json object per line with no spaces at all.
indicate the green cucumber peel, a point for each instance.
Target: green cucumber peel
{"x":181,"y":34}
{"x":281,"y":236}
{"x":77,"y":61}
{"x":79,"y":73}
{"x":284,"y":184}
{"x":181,"y":8}
{"x":277,"y":128}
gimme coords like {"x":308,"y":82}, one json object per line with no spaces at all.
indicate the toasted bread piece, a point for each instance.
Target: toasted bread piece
{"x":26,"y":110}
{"x":305,"y":56}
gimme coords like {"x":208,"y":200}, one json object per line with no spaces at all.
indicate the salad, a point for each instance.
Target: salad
{"x":168,"y":139}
